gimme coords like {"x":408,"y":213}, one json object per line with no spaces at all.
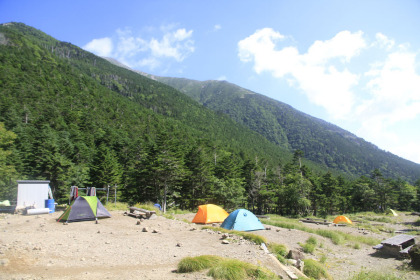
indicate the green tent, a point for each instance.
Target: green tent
{"x":84,"y":208}
{"x":392,"y":212}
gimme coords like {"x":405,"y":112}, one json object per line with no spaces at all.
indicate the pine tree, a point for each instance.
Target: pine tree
{"x":7,"y":172}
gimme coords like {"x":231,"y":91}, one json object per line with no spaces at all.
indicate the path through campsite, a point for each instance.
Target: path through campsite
{"x":38,"y":247}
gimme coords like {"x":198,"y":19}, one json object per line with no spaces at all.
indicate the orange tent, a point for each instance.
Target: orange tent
{"x":210,"y":213}
{"x":342,"y":219}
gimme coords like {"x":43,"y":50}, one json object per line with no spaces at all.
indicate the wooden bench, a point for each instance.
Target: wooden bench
{"x":404,"y":252}
{"x":140,"y":213}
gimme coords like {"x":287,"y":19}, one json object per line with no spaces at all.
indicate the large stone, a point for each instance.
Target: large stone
{"x":296,"y":255}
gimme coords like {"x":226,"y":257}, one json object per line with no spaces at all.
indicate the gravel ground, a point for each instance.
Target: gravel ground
{"x":38,"y":247}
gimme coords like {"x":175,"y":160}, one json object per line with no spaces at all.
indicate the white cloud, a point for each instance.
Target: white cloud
{"x":379,"y":100}
{"x":139,"y":51}
{"x":101,"y":47}
{"x":383,"y":41}
{"x":344,"y":46}
{"x":217,"y":27}
{"x":177,"y":45}
{"x":312,"y":72}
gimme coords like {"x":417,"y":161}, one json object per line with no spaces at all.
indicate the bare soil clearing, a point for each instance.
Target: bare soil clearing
{"x":38,"y":247}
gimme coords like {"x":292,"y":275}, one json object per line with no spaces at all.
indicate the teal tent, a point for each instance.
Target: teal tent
{"x":242,"y":220}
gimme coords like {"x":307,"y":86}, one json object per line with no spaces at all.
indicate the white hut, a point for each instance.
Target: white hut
{"x":32,"y":193}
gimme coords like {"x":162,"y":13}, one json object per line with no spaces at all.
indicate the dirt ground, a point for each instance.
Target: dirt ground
{"x":38,"y":247}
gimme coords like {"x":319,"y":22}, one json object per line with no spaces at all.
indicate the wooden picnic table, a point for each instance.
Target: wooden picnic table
{"x":397,"y":245}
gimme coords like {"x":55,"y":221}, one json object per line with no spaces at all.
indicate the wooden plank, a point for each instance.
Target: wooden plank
{"x":289,"y":273}
{"x":318,"y":222}
{"x":138,"y":216}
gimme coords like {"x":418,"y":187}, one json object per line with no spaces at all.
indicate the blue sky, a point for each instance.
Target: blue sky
{"x":354,"y":63}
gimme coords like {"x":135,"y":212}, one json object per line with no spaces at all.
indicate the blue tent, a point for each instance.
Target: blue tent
{"x":242,"y":220}
{"x":157,"y":205}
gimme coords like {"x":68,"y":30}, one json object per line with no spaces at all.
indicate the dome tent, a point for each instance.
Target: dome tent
{"x":342,"y":219}
{"x":84,"y":208}
{"x":391,"y":212}
{"x":210,"y":213}
{"x":242,"y":220}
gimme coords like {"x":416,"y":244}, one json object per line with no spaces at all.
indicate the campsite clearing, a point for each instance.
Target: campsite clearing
{"x":38,"y":247}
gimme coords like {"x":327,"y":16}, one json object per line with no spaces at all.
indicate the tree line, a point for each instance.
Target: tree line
{"x":175,"y":174}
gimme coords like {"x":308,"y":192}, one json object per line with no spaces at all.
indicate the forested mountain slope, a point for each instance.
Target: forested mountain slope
{"x":287,"y":127}
{"x":73,"y":111}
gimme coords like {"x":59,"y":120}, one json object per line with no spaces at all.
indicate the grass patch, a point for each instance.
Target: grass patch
{"x":337,"y":237}
{"x":373,"y":275}
{"x":308,"y":248}
{"x":170,"y":214}
{"x":176,"y":211}
{"x":312,"y":240}
{"x":190,"y":264}
{"x":147,"y":206}
{"x":279,"y":250}
{"x":111,"y":206}
{"x":315,"y":270}
{"x":223,"y":268}
{"x":257,"y":239}
{"x":310,"y":245}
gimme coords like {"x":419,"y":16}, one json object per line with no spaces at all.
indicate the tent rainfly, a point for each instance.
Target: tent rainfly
{"x":392,"y":212}
{"x":210,"y":213}
{"x":342,"y":219}
{"x":84,"y":208}
{"x":242,"y":220}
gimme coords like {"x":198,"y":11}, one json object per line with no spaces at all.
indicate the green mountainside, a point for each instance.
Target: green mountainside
{"x":63,"y":103}
{"x":287,"y":127}
{"x":76,"y":119}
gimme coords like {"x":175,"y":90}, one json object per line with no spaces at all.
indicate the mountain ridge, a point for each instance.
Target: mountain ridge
{"x":223,"y":96}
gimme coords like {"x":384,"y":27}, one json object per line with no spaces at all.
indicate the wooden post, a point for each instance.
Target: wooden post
{"x":115,"y":194}
{"x":107,"y":194}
